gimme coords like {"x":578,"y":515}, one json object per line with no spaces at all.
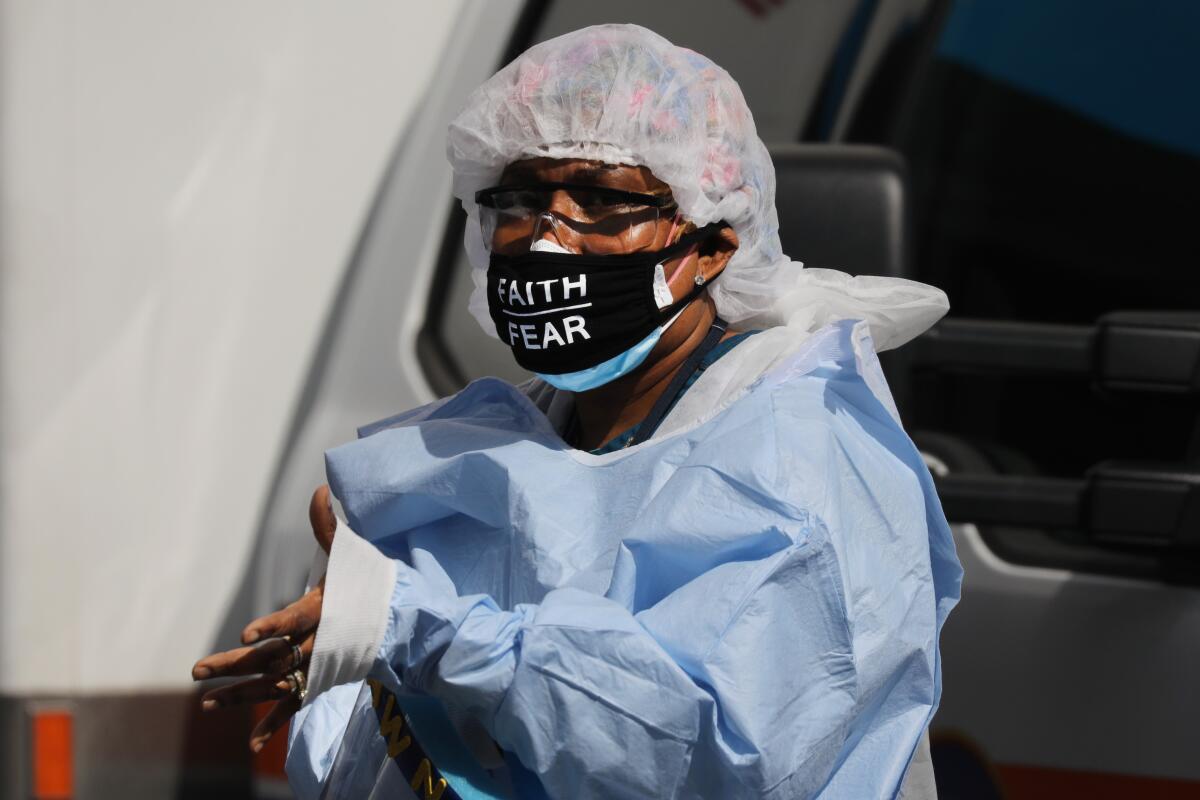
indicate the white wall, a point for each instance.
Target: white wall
{"x":181,"y":185}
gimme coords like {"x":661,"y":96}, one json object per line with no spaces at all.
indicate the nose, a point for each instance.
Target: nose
{"x":554,"y":222}
{"x":545,"y":227}
{"x":548,"y":225}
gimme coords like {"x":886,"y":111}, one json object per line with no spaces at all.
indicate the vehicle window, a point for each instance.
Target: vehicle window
{"x":1055,"y":155}
{"x":1054,"y":162}
{"x":777,"y":51}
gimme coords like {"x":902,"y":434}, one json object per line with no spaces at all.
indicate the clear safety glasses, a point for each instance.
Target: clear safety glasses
{"x":586,"y":219}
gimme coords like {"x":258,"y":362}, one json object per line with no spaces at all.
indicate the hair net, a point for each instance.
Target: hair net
{"x":622,"y":94}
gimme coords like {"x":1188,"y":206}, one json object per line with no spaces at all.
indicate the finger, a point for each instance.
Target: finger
{"x":320,"y":514}
{"x":280,"y":713}
{"x":254,"y":690}
{"x":286,"y":662}
{"x":241,"y":661}
{"x":296,"y":620}
{"x":272,"y":657}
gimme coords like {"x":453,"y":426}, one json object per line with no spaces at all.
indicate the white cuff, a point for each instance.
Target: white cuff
{"x":354,"y":613}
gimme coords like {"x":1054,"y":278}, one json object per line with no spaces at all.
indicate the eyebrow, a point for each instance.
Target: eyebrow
{"x":518,"y":173}
{"x":596,"y":170}
{"x":588,"y":172}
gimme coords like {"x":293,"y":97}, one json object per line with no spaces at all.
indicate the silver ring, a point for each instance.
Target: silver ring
{"x":299,"y":683}
{"x":297,"y":655}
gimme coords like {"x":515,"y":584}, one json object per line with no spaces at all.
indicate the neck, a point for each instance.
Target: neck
{"x":615,"y":407}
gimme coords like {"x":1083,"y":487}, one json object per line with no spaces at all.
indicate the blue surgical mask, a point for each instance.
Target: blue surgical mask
{"x":608,"y":371}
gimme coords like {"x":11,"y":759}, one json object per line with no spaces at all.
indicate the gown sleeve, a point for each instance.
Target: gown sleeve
{"x":737,"y":683}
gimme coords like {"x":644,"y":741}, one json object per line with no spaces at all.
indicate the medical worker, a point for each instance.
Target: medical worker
{"x":696,"y":556}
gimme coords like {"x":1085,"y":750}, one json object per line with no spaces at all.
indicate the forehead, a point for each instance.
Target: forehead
{"x":577,"y":170}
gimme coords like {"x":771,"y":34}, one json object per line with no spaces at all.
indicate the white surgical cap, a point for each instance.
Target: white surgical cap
{"x":622,"y":94}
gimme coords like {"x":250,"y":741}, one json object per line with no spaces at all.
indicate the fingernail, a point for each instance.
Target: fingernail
{"x":208,"y":705}
{"x":200,"y":673}
{"x":283,"y":686}
{"x":251,"y":637}
{"x":257,"y":746}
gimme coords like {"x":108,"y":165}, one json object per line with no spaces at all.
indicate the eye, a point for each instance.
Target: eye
{"x":590,"y":201}
{"x":526,"y":199}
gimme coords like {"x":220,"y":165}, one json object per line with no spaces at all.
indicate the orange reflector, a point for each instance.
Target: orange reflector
{"x":53,"y":767}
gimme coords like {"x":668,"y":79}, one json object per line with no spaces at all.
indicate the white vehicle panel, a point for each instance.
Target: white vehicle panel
{"x":183,"y":184}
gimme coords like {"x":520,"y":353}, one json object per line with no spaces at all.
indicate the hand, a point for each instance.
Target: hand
{"x":268,"y":655}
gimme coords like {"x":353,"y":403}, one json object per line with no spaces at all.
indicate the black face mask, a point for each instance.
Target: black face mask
{"x":563,"y":313}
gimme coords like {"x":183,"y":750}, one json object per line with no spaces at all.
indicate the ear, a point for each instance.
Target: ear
{"x":715,"y":252}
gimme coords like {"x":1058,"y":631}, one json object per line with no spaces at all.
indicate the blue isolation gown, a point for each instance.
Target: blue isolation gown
{"x":748,"y":607}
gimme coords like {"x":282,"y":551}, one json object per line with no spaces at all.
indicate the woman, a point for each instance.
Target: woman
{"x":696,"y":556}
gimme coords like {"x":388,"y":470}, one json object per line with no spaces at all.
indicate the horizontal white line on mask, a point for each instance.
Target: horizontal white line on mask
{"x":547,"y":311}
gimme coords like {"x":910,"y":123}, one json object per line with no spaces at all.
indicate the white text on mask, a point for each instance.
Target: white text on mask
{"x":512,"y":296}
{"x":530,"y":340}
